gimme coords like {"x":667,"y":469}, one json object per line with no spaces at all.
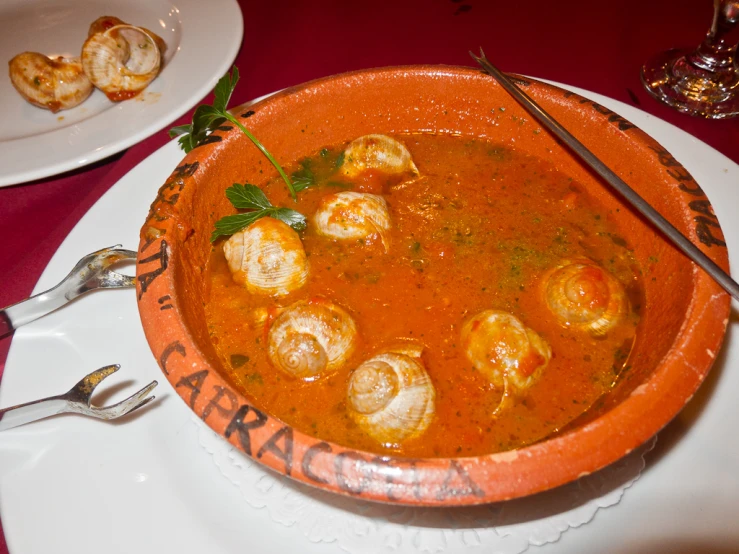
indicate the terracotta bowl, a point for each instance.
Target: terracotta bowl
{"x":679,"y":337}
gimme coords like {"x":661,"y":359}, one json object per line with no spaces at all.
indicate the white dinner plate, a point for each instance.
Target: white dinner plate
{"x":203,"y":38}
{"x":153,"y":484}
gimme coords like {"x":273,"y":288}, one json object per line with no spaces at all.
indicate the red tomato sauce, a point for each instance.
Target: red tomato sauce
{"x":476,"y":231}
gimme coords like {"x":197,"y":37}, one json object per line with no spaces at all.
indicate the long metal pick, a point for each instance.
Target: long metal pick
{"x":677,"y":238}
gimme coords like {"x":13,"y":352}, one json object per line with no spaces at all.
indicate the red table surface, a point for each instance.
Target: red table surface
{"x":597,"y":46}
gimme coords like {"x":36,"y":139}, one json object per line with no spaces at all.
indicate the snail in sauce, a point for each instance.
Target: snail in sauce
{"x":353,"y":216}
{"x":585,"y":296}
{"x":311,"y":338}
{"x":377,"y":152}
{"x":507,"y":352}
{"x":451,"y":281}
{"x":268,"y":258}
{"x":391,"y":397}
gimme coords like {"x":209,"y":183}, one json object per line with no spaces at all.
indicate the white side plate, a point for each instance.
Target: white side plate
{"x":202,"y":39}
{"x":148,"y":485}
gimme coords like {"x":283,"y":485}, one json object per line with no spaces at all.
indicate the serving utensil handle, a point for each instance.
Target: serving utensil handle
{"x":90,"y":273}
{"x":21,"y":414}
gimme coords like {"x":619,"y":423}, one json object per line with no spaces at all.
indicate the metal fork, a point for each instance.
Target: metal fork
{"x":91,"y":272}
{"x":76,"y":400}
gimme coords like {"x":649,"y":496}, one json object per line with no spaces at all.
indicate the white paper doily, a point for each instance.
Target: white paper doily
{"x":361,"y":527}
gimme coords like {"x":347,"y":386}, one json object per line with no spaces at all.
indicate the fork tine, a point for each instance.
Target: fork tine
{"x":82,"y":391}
{"x":111,"y":256}
{"x":141,"y":404}
{"x":133,"y":402}
{"x":99,"y":260}
{"x":110,"y":279}
{"x":94,"y":270}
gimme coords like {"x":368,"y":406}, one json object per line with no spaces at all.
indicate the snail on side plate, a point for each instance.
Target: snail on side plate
{"x":121,"y":60}
{"x":55,"y":84}
{"x":118,"y":58}
{"x":102,"y":24}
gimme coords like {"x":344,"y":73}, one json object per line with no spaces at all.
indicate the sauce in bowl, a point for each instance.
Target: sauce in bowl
{"x":480,"y":227}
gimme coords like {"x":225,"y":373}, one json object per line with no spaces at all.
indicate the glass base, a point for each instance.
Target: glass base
{"x":673,"y":78}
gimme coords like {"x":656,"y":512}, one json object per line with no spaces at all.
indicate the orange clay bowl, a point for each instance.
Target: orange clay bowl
{"x":680,"y":333}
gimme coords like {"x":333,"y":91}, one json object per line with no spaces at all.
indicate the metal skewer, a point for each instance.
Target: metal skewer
{"x":675,"y":236}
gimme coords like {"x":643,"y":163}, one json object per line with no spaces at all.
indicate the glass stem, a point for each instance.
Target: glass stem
{"x":718,"y":50}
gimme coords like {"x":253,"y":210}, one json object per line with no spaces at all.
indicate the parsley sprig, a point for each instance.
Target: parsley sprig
{"x":251,"y":197}
{"x":304,"y":177}
{"x":208,"y":118}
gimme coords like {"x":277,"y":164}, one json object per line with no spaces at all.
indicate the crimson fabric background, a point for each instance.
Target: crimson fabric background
{"x":596,"y":46}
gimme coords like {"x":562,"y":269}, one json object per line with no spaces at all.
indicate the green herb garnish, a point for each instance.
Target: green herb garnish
{"x":251,"y":197}
{"x":302,"y":183}
{"x":304,"y":177}
{"x":208,"y":118}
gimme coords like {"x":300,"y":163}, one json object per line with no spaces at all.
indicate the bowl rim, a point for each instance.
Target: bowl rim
{"x":427,"y":481}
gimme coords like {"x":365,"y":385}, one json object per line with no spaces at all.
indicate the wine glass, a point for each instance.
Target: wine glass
{"x":704,"y":81}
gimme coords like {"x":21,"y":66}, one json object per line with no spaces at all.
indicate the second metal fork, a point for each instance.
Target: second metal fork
{"x":76,"y":400}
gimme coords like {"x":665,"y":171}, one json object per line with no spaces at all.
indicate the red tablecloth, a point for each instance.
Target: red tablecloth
{"x":594,"y":45}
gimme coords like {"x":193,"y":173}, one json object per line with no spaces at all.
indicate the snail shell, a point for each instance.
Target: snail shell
{"x":55,"y":84}
{"x":583,"y":295}
{"x":311,"y":338}
{"x":121,"y":60}
{"x":267,"y":257}
{"x":391,"y":397}
{"x":507,"y":352}
{"x":407,"y":347}
{"x":378,"y":152}
{"x":353,"y":216}
{"x":102,"y":24}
